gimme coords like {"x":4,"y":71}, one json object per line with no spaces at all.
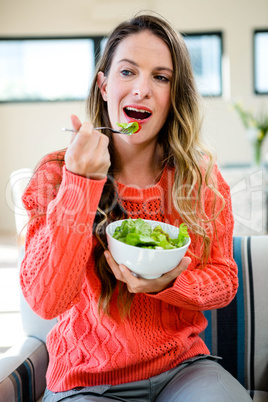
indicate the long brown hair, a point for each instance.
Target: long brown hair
{"x":180,"y":139}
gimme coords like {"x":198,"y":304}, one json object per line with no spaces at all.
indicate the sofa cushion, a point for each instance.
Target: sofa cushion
{"x":238,"y":332}
{"x":27,"y":382}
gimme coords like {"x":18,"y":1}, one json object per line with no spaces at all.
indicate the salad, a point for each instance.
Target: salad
{"x":133,"y":127}
{"x":141,"y":234}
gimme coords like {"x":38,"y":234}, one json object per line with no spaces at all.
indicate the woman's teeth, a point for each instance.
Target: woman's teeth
{"x":137,"y":114}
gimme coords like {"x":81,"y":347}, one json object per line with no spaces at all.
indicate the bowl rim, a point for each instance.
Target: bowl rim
{"x":147,"y":249}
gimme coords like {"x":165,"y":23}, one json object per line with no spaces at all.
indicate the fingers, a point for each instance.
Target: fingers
{"x":118,"y":270}
{"x":168,"y":279}
{"x":88,"y":138}
{"x":123,"y":274}
{"x":183,"y":265}
{"x":140,"y":285}
{"x":76,"y":123}
{"x":92,"y":152}
{"x":88,"y":153}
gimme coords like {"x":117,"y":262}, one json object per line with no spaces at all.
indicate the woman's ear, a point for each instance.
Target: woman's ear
{"x":102,"y":84}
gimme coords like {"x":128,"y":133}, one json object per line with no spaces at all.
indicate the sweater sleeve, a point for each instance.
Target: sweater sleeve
{"x":59,"y":238}
{"x":214,"y":285}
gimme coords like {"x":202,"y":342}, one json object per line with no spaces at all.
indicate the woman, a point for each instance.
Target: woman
{"x":120,"y":337}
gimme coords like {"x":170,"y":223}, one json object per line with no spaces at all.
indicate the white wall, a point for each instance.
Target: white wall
{"x":28,"y":131}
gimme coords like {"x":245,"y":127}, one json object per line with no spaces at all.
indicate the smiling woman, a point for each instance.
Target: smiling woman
{"x":122,"y":337}
{"x":137,"y":87}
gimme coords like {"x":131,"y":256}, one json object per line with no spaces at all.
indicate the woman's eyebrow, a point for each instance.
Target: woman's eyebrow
{"x":160,"y":68}
{"x":164,"y":68}
{"x":128,"y":61}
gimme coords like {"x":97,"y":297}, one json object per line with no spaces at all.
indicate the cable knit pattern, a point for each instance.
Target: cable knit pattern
{"x":58,"y":279}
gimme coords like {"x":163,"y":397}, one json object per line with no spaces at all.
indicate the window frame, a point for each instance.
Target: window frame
{"x":96,"y":46}
{"x":221,"y":37}
{"x":254,"y":60}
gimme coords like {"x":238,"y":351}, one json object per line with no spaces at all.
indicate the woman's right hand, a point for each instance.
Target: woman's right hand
{"x":87,"y":154}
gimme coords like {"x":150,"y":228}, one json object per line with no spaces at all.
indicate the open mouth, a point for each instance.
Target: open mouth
{"x":137,"y":114}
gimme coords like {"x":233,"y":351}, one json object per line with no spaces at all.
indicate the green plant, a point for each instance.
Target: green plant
{"x":258,"y":125}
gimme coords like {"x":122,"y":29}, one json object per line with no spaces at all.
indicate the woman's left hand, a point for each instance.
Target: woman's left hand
{"x":141,"y":285}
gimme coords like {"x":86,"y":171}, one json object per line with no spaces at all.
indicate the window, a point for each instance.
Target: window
{"x":261,"y":62}
{"x":61,"y":69}
{"x":46,"y":69}
{"x":206,"y":57}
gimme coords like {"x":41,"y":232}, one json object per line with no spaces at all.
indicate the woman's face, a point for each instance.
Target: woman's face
{"x":138,"y":85}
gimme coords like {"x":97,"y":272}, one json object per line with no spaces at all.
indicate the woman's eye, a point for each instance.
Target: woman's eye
{"x":162,"y":78}
{"x":126,"y":72}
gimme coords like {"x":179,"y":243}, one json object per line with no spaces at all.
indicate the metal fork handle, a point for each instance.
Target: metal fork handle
{"x":97,"y":128}
{"x":111,"y":129}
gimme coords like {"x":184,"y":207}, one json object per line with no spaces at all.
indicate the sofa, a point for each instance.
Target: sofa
{"x":238,"y":333}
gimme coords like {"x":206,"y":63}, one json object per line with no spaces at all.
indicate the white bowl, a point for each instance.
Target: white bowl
{"x":143,"y":262}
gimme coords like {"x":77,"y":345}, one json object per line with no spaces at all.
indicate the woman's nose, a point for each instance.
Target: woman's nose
{"x":142,"y":88}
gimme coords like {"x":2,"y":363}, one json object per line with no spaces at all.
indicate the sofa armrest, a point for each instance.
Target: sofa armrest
{"x":238,"y":332}
{"x":23,"y":370}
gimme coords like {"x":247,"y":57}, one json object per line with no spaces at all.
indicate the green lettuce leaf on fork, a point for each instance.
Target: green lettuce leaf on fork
{"x":140,"y":233}
{"x":133,"y":127}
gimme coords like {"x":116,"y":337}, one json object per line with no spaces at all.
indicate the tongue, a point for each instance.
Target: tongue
{"x":137,"y":115}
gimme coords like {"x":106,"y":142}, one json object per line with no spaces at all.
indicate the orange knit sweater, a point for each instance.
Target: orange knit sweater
{"x":58,"y":279}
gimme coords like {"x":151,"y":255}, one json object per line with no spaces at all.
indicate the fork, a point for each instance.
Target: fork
{"x":127,"y":130}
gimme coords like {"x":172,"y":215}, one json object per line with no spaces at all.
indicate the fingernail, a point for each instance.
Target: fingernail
{"x":106,"y":254}
{"x":121,"y":267}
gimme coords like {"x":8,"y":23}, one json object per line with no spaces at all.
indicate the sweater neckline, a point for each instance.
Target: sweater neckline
{"x":163,"y":182}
